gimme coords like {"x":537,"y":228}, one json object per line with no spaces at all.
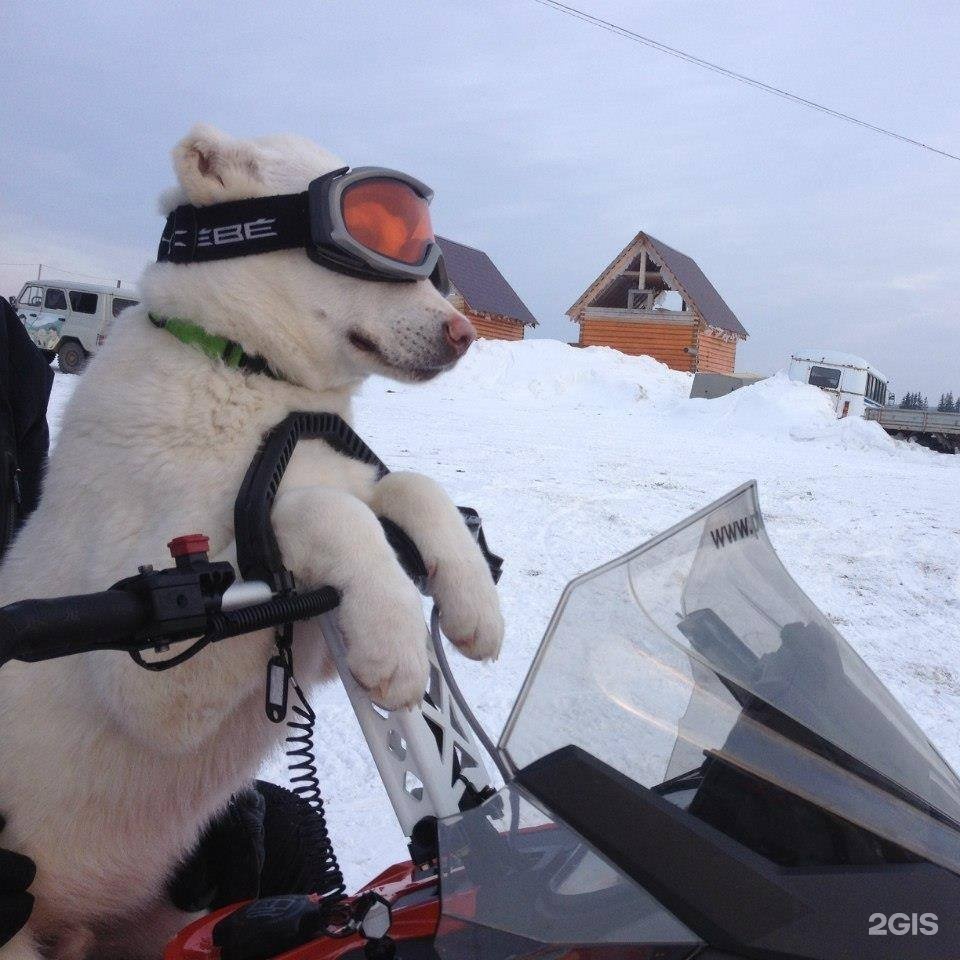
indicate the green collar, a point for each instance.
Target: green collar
{"x":217,"y":348}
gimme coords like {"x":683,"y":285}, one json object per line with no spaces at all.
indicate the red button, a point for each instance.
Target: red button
{"x":189,"y":545}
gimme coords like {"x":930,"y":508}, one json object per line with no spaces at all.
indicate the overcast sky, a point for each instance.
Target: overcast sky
{"x":549,"y":143}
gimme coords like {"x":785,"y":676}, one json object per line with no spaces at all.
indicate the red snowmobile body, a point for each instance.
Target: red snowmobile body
{"x":416,"y":915}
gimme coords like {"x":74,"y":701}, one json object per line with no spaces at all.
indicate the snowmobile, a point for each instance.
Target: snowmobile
{"x":697,"y":764}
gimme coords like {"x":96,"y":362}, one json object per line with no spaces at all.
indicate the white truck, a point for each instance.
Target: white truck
{"x":69,"y":320}
{"x":855,"y":385}
{"x":860,"y":390}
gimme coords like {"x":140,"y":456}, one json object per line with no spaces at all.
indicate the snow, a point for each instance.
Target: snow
{"x":832,"y":357}
{"x":575,"y":456}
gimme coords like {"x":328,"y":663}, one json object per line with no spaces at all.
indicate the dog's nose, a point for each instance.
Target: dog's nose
{"x":460,"y":333}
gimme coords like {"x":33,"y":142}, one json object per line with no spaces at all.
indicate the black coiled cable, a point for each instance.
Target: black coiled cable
{"x":326,"y":875}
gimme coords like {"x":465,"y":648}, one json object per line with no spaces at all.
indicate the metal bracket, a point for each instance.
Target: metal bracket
{"x":428,"y":756}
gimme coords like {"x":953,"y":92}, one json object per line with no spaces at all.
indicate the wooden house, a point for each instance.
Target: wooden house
{"x":480,"y":291}
{"x":654,"y":300}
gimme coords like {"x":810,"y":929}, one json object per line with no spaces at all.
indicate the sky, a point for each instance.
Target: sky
{"x":549,"y":142}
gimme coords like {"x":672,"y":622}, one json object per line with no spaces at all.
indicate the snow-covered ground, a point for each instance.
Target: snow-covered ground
{"x":575,"y":456}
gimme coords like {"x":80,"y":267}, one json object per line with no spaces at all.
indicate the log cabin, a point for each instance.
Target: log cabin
{"x":479,"y":290}
{"x":654,"y":300}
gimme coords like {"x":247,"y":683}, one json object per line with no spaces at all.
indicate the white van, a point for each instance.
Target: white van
{"x":855,"y":384}
{"x":69,"y":320}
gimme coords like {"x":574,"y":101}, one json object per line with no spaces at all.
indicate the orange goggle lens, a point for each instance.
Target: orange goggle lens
{"x":388,"y":217}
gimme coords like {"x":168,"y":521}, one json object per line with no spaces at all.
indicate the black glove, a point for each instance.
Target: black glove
{"x":298,"y":852}
{"x":225,"y":867}
{"x":16,"y":874}
{"x":268,"y":842}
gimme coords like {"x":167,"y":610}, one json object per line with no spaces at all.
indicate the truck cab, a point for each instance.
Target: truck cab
{"x":69,"y":320}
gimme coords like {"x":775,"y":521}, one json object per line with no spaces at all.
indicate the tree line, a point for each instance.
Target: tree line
{"x":917,"y":401}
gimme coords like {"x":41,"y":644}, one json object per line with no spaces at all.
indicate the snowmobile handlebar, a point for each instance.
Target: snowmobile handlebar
{"x":35,"y":630}
{"x":195,"y":598}
{"x":117,"y":619}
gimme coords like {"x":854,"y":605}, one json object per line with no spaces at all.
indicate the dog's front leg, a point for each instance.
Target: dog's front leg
{"x":329,"y":537}
{"x":459,"y":579}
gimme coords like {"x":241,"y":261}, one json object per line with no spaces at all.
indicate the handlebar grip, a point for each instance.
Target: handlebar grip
{"x":412,"y":562}
{"x":406,"y":552}
{"x":33,"y":630}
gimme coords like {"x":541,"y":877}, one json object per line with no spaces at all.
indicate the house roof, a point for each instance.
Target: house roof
{"x":481,"y":284}
{"x":692,"y":283}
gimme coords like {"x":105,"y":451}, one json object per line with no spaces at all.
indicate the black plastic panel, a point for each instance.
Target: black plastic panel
{"x":736,"y":900}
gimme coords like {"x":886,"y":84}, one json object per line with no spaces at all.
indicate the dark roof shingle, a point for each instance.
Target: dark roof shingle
{"x":482,"y":285}
{"x":700,"y":291}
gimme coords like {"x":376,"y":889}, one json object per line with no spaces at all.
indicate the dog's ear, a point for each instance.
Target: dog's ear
{"x":212,"y":166}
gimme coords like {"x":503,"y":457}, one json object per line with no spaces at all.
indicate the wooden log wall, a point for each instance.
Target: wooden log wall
{"x":716,"y":353}
{"x":494,"y":327}
{"x":662,"y":341}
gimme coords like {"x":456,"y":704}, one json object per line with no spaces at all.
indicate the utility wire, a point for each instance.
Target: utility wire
{"x":733,"y":75}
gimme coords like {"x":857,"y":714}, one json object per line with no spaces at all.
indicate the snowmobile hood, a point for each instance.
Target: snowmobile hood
{"x":697,"y":749}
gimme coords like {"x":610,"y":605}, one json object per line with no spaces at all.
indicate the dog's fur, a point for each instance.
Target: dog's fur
{"x":107,"y":772}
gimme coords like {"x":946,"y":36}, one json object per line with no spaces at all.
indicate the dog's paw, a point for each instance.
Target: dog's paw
{"x":469,"y":607}
{"x":386,"y":640}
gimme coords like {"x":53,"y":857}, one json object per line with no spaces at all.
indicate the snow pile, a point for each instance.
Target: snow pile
{"x":552,"y":374}
{"x":781,"y":408}
{"x":777,"y":407}
{"x":552,"y":371}
{"x":574,"y":456}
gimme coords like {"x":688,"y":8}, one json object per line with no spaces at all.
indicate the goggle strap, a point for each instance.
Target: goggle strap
{"x":236,"y":228}
{"x":240,"y":228}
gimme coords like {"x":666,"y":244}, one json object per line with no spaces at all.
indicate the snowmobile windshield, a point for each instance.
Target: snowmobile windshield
{"x":698,"y":669}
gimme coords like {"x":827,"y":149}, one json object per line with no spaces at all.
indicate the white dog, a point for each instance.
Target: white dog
{"x":108,"y":772}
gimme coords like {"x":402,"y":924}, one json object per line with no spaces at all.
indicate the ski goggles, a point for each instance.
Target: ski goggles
{"x":370,"y":222}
